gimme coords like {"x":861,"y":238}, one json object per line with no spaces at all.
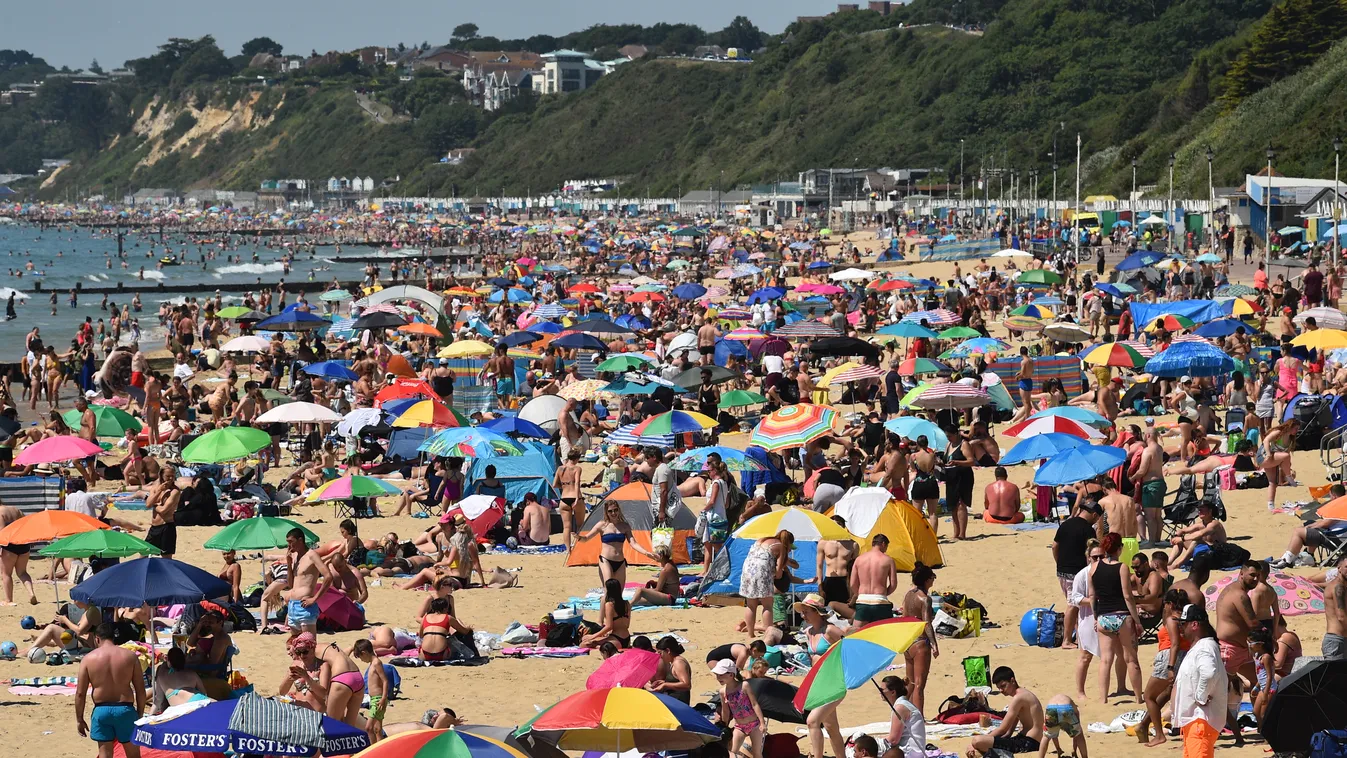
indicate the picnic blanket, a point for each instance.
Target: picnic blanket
{"x":50,"y":689}
{"x":1030,"y":526}
{"x":528,"y":549}
{"x":414,"y":661}
{"x":1066,"y":368}
{"x":544,"y":652}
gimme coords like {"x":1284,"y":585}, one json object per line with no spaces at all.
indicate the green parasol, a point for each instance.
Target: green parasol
{"x":260,"y":533}
{"x":228,"y":444}
{"x":232,"y":311}
{"x":1039,"y":276}
{"x":624,"y":363}
{"x":101,"y":543}
{"x":109,"y":421}
{"x":740,"y":398}
{"x":959,"y":333}
{"x":334,"y":296}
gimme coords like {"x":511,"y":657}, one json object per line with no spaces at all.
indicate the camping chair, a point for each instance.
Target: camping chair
{"x":1182,"y":509}
{"x":1235,"y":419}
{"x":1333,"y":549}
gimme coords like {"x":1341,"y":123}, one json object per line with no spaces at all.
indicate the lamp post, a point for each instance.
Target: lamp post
{"x":1052,"y":212}
{"x":1337,"y":193}
{"x":1267,"y":232}
{"x":960,"y":170}
{"x":1132,"y":198}
{"x":1169,"y":211}
{"x":1211,"y":202}
{"x":1074,"y":232}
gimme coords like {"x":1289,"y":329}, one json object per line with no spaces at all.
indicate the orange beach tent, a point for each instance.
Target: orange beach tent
{"x":634,"y":500}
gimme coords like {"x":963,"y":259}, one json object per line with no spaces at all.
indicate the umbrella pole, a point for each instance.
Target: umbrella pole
{"x":881,"y":695}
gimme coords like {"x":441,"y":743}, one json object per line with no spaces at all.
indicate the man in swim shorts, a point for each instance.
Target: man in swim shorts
{"x":834,"y":566}
{"x":1025,"y":380}
{"x":113,"y":674}
{"x":1335,"y":610}
{"x":1021,"y":731}
{"x":1149,"y":474}
{"x":874,"y":577}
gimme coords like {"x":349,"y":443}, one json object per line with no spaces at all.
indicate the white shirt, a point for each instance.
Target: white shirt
{"x":913,"y":741}
{"x":773,"y":364}
{"x":1200,"y":686}
{"x":87,"y":503}
{"x":663,"y":479}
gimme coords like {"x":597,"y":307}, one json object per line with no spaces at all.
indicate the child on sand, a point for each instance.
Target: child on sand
{"x":740,"y":707}
{"x":376,"y":684}
{"x":1061,"y":715}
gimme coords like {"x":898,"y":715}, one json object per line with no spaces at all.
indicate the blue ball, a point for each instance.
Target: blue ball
{"x":1029,"y":626}
{"x":28,"y":622}
{"x":8,"y":650}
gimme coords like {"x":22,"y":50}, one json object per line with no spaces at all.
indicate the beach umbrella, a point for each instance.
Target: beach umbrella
{"x":1223,"y":327}
{"x":745,"y":334}
{"x":352,"y":423}
{"x":379,"y":320}
{"x":352,"y":486}
{"x":1170,"y":323}
{"x":852,"y":661}
{"x":56,"y":450}
{"x":850,"y":275}
{"x":674,"y":422}
{"x":977,"y":346}
{"x":806,"y":329}
{"x":734,"y":314}
{"x":601,"y":326}
{"x":150,"y":581}
{"x":551,"y":311}
{"x":629,"y":668}
{"x":1066,"y":331}
{"x":740,"y":398}
{"x":1296,"y":595}
{"x":843,"y":347}
{"x":108,"y":421}
{"x":228,"y":444}
{"x":419,"y":328}
{"x":1236,"y":290}
{"x":428,"y":413}
{"x":513,"y":294}
{"x":246,"y":344}
{"x":766,"y":294}
{"x":292,"y":321}
{"x":1191,"y":359}
{"x":1032,"y":310}
{"x":517,"y":426}
{"x":805,"y":524}
{"x":622,"y":718}
{"x":891,"y":285}
{"x":1208,"y":258}
{"x":258,"y":533}
{"x":1244,"y":307}
{"x":918,"y":366}
{"x":1075,"y":413}
{"x":1113,"y":354}
{"x":623,"y":437}
{"x":579,"y":341}
{"x":1311,"y":699}
{"x":1040,"y":447}
{"x":470,"y":442}
{"x":625,"y":362}
{"x":1012,"y":253}
{"x":937,"y":317}
{"x":48,"y":526}
{"x":907,"y":329}
{"x":734,"y":460}
{"x":951,"y":397}
{"x":959,"y":333}
{"x":207,"y":727}
{"x":100,"y":543}
{"x":1039,"y":276}
{"x":691,"y":379}
{"x":333,"y":296}
{"x":1324,"y":318}
{"x":1046,"y":424}
{"x":515,"y":339}
{"x":793,"y":426}
{"x":775,"y":698}
{"x":466,"y":349}
{"x":331,"y":370}
{"x":1078,"y":464}
{"x":232,"y":311}
{"x":1022,"y":324}
{"x":1139,"y":259}
{"x":912,"y":427}
{"x":623,"y":386}
{"x":689,"y":291}
{"x":446,"y":743}
{"x":1116,"y":289}
{"x":586,"y":389}
{"x":1321,"y":339}
{"x":583,"y":288}
{"x":299,"y":413}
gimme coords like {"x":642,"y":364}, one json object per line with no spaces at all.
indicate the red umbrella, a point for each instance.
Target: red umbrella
{"x":336,"y":611}
{"x":629,"y":668}
{"x":481,"y":511}
{"x":402,"y":387}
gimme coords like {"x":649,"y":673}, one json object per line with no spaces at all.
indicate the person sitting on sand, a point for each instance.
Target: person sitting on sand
{"x":425,"y":489}
{"x":347,"y":580}
{"x":1021,"y":731}
{"x":463,"y":557}
{"x":349,"y":545}
{"x":1207,"y":530}
{"x":665,"y":589}
{"x":232,"y":573}
{"x":328,"y":682}
{"x":174,"y":683}
{"x":616,"y":618}
{"x":436,"y":626}
{"x":81,"y":629}
{"x":209,"y":646}
{"x":535,"y":523}
{"x":674,"y":677}
{"x":1001,"y":500}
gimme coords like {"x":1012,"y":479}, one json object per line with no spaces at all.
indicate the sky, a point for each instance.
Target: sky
{"x":75,"y":32}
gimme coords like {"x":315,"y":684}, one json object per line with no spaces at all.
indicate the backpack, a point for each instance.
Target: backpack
{"x":1330,"y":743}
{"x":562,"y":635}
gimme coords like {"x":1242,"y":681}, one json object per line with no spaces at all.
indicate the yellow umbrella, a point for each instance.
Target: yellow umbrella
{"x":583,"y":390}
{"x":1321,"y":339}
{"x":466,"y":349}
{"x":832,"y":373}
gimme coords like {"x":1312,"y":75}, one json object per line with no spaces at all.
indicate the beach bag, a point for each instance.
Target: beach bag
{"x":1232,"y":441}
{"x":661,"y":536}
{"x":781,"y":745}
{"x":977,"y":671}
{"x":563,"y":635}
{"x":1228,"y":481}
{"x":964,"y":710}
{"x":1256,"y":480}
{"x":1050,"y":628}
{"x":518,"y":634}
{"x":946,"y":625}
{"x":972,"y":618}
{"x":1330,"y":743}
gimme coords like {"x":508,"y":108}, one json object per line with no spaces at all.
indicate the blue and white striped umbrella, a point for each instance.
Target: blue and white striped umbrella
{"x":623,"y":436}
{"x":550,"y":311}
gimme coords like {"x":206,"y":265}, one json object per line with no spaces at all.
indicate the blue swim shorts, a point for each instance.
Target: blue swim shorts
{"x":297,"y":614}
{"x":113,"y":722}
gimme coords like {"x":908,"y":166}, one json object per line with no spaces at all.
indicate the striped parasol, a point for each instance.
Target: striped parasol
{"x":793,"y":426}
{"x":1189,"y":338}
{"x":550,"y":311}
{"x":624,"y":436}
{"x":1022,"y":324}
{"x":1113,"y":354}
{"x":745,"y":334}
{"x":937,"y":317}
{"x":858,"y":374}
{"x":715,"y":292}
{"x":1145,"y":350}
{"x":951,"y":397}
{"x":806,"y":329}
{"x":583,"y":390}
{"x":734,"y":314}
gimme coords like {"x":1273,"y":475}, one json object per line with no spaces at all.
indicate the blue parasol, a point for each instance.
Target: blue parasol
{"x":1140,"y":259}
{"x":1040,"y":447}
{"x":152,"y":581}
{"x":1078,"y":464}
{"x":207,"y":730}
{"x":1192,"y":359}
{"x":331,"y":370}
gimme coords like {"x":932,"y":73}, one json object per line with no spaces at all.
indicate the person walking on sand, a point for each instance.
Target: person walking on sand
{"x":1200,"y":686}
{"x":113,"y":675}
{"x":873,"y":578}
{"x":309,"y":576}
{"x":918,"y":656}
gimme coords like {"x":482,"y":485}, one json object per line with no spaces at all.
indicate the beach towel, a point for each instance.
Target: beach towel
{"x":1065,"y":368}
{"x":273,"y":720}
{"x":544,"y":652}
{"x":51,"y":689}
{"x":130,"y":505}
{"x":527,"y":550}
{"x":414,"y":661}
{"x":1030,"y":526}
{"x":475,"y":399}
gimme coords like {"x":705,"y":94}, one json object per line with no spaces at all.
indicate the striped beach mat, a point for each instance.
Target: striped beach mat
{"x":31,"y":494}
{"x":475,"y":399}
{"x":1065,"y":368}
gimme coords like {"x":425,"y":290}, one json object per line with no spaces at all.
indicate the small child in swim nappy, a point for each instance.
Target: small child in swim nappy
{"x":1060,"y":714}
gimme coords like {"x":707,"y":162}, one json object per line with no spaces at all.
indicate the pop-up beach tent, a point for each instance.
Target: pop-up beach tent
{"x":634,"y":499}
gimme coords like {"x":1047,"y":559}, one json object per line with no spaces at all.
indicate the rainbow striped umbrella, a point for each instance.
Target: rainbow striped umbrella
{"x":916,"y":366}
{"x":615,"y":719}
{"x":674,"y":422}
{"x":1032,"y":311}
{"x":806,"y":329}
{"x":430,"y":413}
{"x":1113,"y":354}
{"x":848,"y":664}
{"x":440,"y":743}
{"x":1145,"y":350}
{"x":793,"y":426}
{"x":1170,"y":323}
{"x":470,"y":442}
{"x":350,"y":486}
{"x":857,"y":374}
{"x":1022,"y":324}
{"x":745,"y":334}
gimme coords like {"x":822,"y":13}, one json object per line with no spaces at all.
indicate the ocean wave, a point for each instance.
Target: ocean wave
{"x":248,"y":268}
{"x":158,"y":276}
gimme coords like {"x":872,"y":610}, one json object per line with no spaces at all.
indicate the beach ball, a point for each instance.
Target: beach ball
{"x":28,"y":622}
{"x":66,"y":639}
{"x":8,"y":650}
{"x":1029,"y":625}
{"x":37,"y":655}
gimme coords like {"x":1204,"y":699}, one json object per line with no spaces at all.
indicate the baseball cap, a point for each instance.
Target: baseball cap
{"x":1185,"y":379}
{"x":1193,"y":612}
{"x":725,"y":666}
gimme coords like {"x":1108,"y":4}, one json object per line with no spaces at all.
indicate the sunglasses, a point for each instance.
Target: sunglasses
{"x":1096,"y":557}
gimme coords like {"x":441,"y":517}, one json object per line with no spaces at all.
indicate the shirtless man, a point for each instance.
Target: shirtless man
{"x":1001,"y":500}
{"x":1120,"y":511}
{"x":834,"y":565}
{"x":1149,"y":476}
{"x":1148,"y":588}
{"x":1025,"y":381}
{"x":1266,"y":607}
{"x":570,"y":430}
{"x":1207,"y":530}
{"x":1335,"y":610}
{"x":1198,"y":575}
{"x":706,"y":341}
{"x":163,"y":504}
{"x":1234,"y":619}
{"x":1021,"y":730}
{"x":873,"y":578}
{"x":567,"y":482}
{"x":535,"y":525}
{"x":154,"y":404}
{"x":88,"y":431}
{"x":350,"y":582}
{"x":1106,"y":399}
{"x":113,"y":673}
{"x":309,"y":577}
{"x":232,"y":573}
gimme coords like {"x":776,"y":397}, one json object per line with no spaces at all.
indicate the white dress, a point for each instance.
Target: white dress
{"x":1087,"y":636}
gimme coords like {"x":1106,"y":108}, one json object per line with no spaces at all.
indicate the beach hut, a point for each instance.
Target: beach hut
{"x":634,"y":499}
{"x":872,"y":510}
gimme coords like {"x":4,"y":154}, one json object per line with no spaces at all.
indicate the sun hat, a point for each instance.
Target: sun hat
{"x":724,"y":666}
{"x":813,"y":601}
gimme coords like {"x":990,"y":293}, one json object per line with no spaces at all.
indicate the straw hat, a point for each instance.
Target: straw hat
{"x":812,"y":601}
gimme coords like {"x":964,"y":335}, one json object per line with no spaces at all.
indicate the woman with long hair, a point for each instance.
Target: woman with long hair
{"x":1276,"y":446}
{"x":614,"y":531}
{"x":616,"y":619}
{"x":1167,"y":659}
{"x":917,"y":603}
{"x":713,"y":523}
{"x":768,"y":560}
{"x":1115,"y":615}
{"x":462,"y":556}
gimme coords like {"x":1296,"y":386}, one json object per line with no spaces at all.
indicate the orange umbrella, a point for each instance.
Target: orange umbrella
{"x":398,"y":366}
{"x":461,"y":292}
{"x":583,"y":288}
{"x":48,"y":526}
{"x":417,"y":327}
{"x":641,"y":297}
{"x":1334,"y":509}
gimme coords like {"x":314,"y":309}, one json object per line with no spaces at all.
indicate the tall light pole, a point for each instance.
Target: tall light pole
{"x":1267,"y":232}
{"x":1337,"y":194}
{"x":1074,"y":232}
{"x":961,"y":170}
{"x":1211,"y":202}
{"x":1169,"y":212}
{"x":1052,"y":213}
{"x":1132,"y":199}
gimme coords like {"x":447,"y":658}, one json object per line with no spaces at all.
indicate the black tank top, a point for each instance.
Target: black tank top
{"x":1108,"y":589}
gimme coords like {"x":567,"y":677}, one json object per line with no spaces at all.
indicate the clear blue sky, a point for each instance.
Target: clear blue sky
{"x":74,"y":32}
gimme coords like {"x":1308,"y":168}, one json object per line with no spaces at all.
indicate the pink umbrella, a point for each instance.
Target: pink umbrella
{"x":56,"y":450}
{"x":1296,"y":595}
{"x":338,"y":612}
{"x":526,"y":261}
{"x":629,"y":668}
{"x":822,"y":289}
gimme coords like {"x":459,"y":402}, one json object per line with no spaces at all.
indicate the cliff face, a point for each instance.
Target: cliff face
{"x":208,"y":124}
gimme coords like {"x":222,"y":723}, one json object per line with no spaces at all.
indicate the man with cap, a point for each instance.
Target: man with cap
{"x":1200,"y":685}
{"x":1068,"y":550}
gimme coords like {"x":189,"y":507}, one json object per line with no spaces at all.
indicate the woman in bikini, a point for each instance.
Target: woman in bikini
{"x":925,"y":489}
{"x":462,"y":557}
{"x":436,"y":626}
{"x":917,"y":603}
{"x":615,"y":534}
{"x":338,"y":689}
{"x":665,"y":590}
{"x":1277,"y":446}
{"x":616,"y":619}
{"x":572,"y":509}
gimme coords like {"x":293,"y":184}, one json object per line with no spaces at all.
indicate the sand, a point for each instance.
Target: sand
{"x":1008,"y":572}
